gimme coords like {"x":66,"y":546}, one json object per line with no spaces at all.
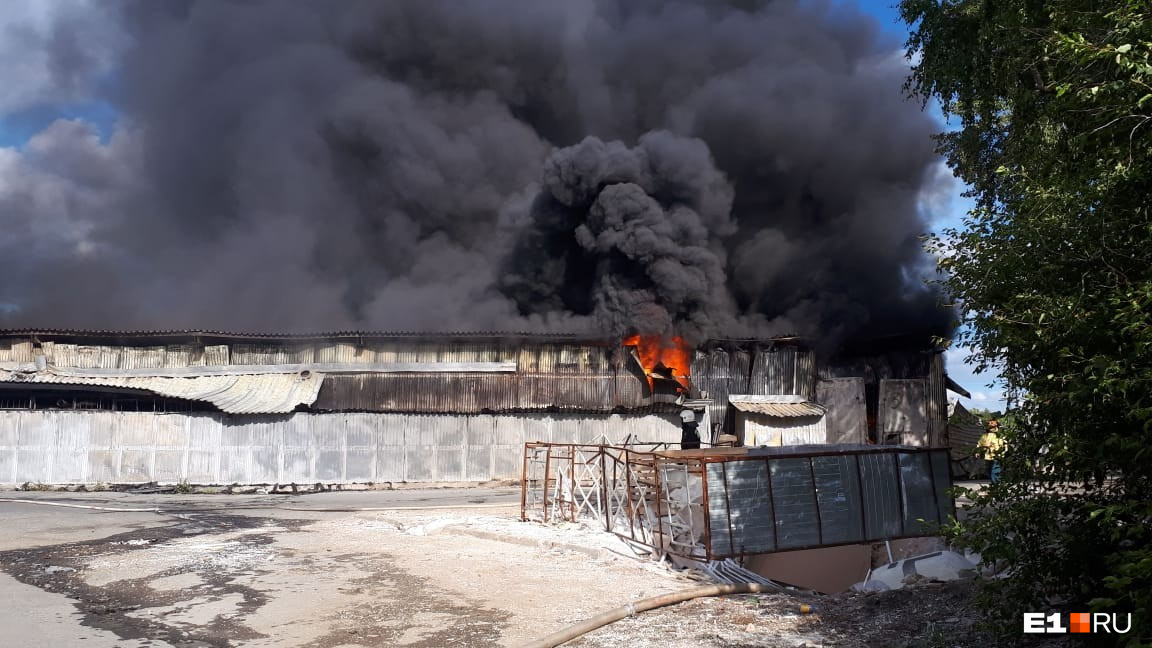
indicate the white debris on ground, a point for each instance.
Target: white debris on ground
{"x":227,"y":552}
{"x":940,"y":566}
{"x":585,"y":537}
{"x":545,"y":576}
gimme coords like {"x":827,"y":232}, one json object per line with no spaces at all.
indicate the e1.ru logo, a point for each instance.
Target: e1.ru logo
{"x":1040,"y":623}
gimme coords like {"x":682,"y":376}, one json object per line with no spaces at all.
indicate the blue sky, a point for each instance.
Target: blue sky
{"x":21,"y":117}
{"x":18,"y":126}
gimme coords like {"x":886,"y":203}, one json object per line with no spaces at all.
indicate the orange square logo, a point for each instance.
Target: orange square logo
{"x":1080,"y":622}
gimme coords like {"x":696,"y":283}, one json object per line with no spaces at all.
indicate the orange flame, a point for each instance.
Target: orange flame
{"x":672,"y":354}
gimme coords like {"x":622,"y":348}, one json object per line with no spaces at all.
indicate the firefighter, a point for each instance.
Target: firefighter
{"x":990,"y":447}
{"x":689,"y":434}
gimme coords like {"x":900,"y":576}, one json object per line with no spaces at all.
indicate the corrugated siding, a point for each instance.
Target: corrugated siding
{"x":630,"y":391}
{"x":114,"y":447}
{"x":721,"y":372}
{"x":217,"y":354}
{"x":763,"y":430}
{"x":552,"y":357}
{"x":474,"y":393}
{"x":594,"y":393}
{"x":418,"y":392}
{"x":782,"y":371}
{"x":565,"y":376}
{"x":777,"y":409}
{"x":130,"y":358}
{"x":16,"y":350}
{"x":253,"y":393}
{"x":937,"y":406}
{"x":550,"y":373}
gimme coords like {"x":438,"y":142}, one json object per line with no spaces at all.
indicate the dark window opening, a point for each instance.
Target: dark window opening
{"x":85,"y":400}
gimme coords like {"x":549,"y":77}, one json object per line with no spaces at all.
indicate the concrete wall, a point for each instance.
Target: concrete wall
{"x":57,"y":447}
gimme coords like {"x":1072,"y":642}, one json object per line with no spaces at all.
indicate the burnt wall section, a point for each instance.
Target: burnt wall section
{"x":608,"y":391}
{"x":885,"y":368}
{"x":778,"y":369}
{"x":462,"y":374}
{"x":849,"y":384}
{"x":511,"y":373}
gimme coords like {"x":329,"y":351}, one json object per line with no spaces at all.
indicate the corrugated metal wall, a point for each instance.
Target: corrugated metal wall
{"x":474,"y":393}
{"x":551,"y":373}
{"x":937,"y":402}
{"x":125,"y":447}
{"x":777,"y":371}
{"x":761,"y":430}
{"x":782,"y":371}
{"x":532,"y":356}
{"x":720,"y":372}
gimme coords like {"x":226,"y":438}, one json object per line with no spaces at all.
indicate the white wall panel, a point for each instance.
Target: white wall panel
{"x":202,"y":448}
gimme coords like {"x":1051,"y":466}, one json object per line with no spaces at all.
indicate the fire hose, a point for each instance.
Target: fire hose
{"x":643,"y":605}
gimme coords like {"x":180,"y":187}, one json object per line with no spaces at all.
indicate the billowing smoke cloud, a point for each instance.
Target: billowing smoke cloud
{"x":643,"y":226}
{"x":697,"y":167}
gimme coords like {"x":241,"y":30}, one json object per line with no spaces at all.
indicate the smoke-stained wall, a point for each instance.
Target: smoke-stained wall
{"x":705,"y":168}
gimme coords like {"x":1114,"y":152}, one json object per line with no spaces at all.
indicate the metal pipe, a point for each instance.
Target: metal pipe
{"x":524,"y":485}
{"x":816,"y":498}
{"x":899,"y":481}
{"x":727,"y":511}
{"x":643,"y":605}
{"x":606,"y":505}
{"x":705,"y":508}
{"x":547,"y":470}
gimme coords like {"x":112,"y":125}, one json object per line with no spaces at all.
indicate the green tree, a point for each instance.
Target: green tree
{"x":1053,"y":269}
{"x":986,"y":415}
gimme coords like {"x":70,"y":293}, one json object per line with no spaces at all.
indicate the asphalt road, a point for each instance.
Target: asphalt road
{"x":40,"y":603}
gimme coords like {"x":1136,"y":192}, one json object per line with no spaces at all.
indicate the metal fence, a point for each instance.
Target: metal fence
{"x":721,"y":503}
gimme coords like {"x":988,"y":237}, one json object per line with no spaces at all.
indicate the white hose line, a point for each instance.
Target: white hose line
{"x":82,"y":506}
{"x":437,"y":507}
{"x":278,"y":508}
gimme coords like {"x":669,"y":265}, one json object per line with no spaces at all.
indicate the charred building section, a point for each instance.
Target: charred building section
{"x":207,"y":407}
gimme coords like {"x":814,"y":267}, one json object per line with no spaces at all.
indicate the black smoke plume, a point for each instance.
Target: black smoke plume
{"x":703,"y":168}
{"x":641,"y":227}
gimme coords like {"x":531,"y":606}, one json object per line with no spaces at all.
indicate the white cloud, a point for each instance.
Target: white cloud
{"x":54,"y":50}
{"x":956,"y":355}
{"x":63,"y":178}
{"x":940,"y":198}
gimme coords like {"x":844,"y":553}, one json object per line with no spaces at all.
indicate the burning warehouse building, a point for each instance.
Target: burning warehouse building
{"x":209,"y":407}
